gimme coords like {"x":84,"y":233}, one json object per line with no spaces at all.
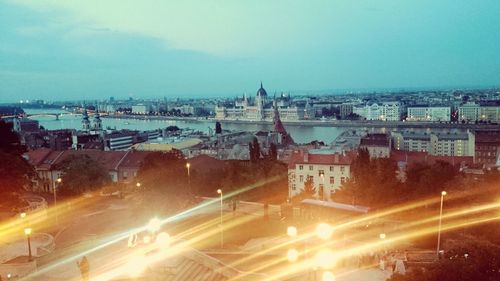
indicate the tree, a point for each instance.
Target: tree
{"x":254,"y":150}
{"x":273,"y":152}
{"x":15,"y":171}
{"x":218,"y":128}
{"x":164,"y":171}
{"x":82,"y":173}
{"x":309,"y":190}
{"x":467,"y":261}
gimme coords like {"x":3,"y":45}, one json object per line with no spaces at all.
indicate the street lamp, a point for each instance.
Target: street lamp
{"x":322,"y":188}
{"x":138,"y":185}
{"x":324,"y":231}
{"x":188,"y":165}
{"x":443,"y":194}
{"x":27,"y":232}
{"x":59,"y":180}
{"x":219,"y":191}
{"x":154,"y":225}
{"x":291,"y":231}
{"x":22,"y":215}
{"x":382,"y":236}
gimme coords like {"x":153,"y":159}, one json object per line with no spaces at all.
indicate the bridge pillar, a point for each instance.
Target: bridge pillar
{"x":57,"y":116}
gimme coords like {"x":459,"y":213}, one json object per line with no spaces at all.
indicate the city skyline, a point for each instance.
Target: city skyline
{"x":92,"y":50}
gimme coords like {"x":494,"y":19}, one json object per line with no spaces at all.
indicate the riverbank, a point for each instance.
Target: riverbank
{"x":321,"y":123}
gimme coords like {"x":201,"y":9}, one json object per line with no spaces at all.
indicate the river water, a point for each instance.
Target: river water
{"x":301,"y":134}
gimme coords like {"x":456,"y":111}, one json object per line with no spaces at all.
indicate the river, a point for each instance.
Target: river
{"x":300,"y":133}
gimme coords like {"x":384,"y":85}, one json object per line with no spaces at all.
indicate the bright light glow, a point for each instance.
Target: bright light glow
{"x":324,"y":231}
{"x":219,"y":191}
{"x":27,"y":231}
{"x":22,"y":215}
{"x":154,"y":225}
{"x":325,"y":259}
{"x":292,"y":255}
{"x":443,"y":193}
{"x":188,"y":165}
{"x":59,"y":180}
{"x":328,"y":276}
{"x":138,"y":184}
{"x":382,"y":236}
{"x":163,"y":240}
{"x":291,"y":231}
{"x":146,"y":239}
{"x":136,"y":265}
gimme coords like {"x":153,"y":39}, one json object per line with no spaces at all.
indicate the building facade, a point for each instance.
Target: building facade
{"x":487,"y":147}
{"x":327,"y":170}
{"x":429,"y":113}
{"x":261,"y":108}
{"x":387,"y":111}
{"x":437,"y":144}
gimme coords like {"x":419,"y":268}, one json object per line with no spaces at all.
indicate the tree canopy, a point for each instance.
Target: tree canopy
{"x":82,"y":173}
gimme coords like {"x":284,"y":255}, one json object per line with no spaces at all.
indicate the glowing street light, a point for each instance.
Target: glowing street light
{"x":138,"y":185}
{"x":27,"y":232}
{"x":382,"y":236}
{"x":188,"y":165}
{"x":154,"y":225}
{"x":291,"y":231}
{"x":22,"y":215}
{"x":219,"y":191}
{"x":443,"y":194}
{"x":324,"y":231}
{"x":325,"y":259}
{"x":292,"y":255}
{"x":163,"y":240}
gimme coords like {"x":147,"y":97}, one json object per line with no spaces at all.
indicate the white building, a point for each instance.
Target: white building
{"x":387,"y":111}
{"x":469,"y":112}
{"x":261,"y":108}
{"x":438,"y":144}
{"x":328,"y":171}
{"x":141,"y":109}
{"x":429,"y":113}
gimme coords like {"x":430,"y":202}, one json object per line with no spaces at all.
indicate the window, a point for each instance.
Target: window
{"x":294,"y":187}
{"x":321,"y":173}
{"x":342,"y":169}
{"x":331,"y":168}
{"x":301,"y":167}
{"x":310,"y":167}
{"x":342,"y":180}
{"x":301,"y":178}
{"x":332,"y":180}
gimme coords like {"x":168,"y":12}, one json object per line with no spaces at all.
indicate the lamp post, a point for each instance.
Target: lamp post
{"x":58,"y":182}
{"x":138,"y":185}
{"x":219,"y":191}
{"x":443,"y":194}
{"x":27,"y":232}
{"x":322,"y":188}
{"x":188,"y":165}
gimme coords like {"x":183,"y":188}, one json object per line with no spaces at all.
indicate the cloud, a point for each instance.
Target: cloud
{"x":221,"y":28}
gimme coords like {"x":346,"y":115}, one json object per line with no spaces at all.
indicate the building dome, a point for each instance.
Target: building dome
{"x":261,"y":92}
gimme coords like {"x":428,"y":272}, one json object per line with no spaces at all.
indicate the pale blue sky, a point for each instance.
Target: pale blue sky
{"x":150,"y":48}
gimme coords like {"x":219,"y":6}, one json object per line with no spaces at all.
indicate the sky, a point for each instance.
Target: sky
{"x":86,"y":49}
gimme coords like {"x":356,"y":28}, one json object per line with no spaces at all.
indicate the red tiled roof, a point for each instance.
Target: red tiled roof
{"x":134,"y":159}
{"x":299,"y":157}
{"x":375,"y":140}
{"x":35,"y":157}
{"x":202,"y":162}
